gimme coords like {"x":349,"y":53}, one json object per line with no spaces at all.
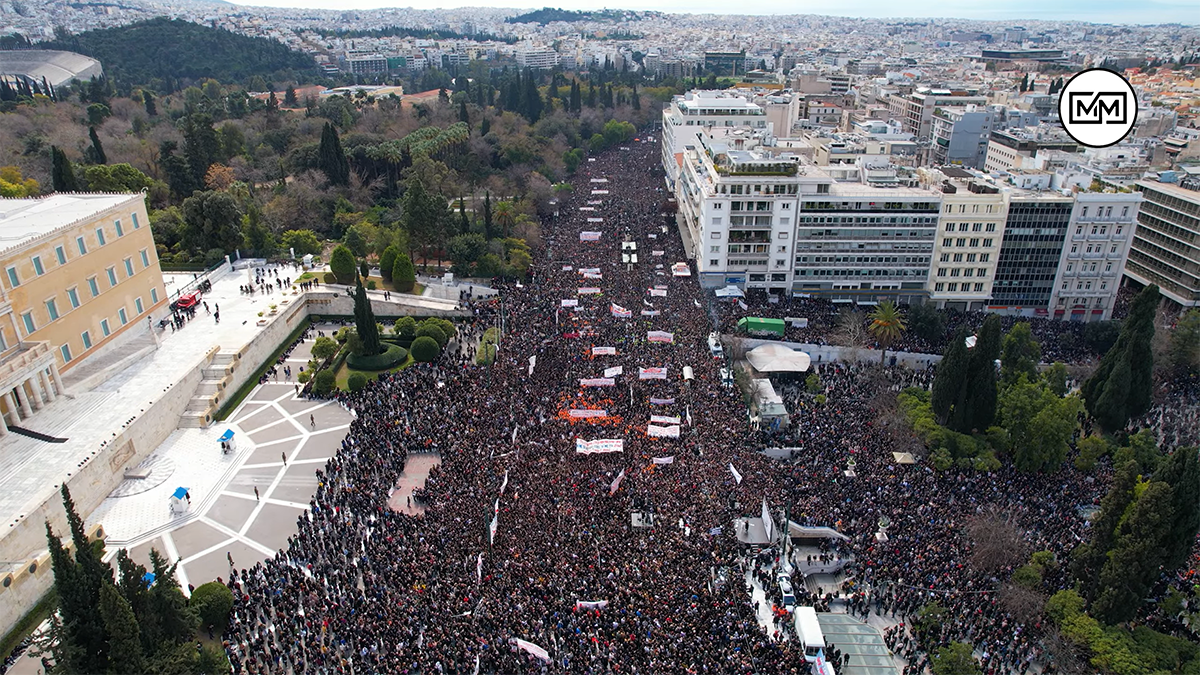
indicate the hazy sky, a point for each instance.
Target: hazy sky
{"x":1098,"y":11}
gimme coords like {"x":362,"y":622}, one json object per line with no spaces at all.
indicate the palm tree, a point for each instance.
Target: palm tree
{"x":887,"y":325}
{"x":506,"y":215}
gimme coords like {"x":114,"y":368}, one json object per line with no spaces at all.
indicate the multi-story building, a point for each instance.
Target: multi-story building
{"x":725,"y":63}
{"x":537,"y":58}
{"x":1030,"y":252}
{"x":1094,"y":255}
{"x":79,"y":271}
{"x":1015,"y":149}
{"x":960,"y":135}
{"x":915,"y":110}
{"x":699,"y":112}
{"x":370,"y":64}
{"x":1166,"y":245}
{"x":970,"y":230}
{"x":738,"y":208}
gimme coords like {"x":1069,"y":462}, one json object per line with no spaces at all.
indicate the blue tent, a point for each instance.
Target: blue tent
{"x":149,"y":578}
{"x":228,"y":435}
{"x":180,"y":493}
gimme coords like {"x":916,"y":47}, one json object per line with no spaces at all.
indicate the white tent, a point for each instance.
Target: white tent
{"x":730,"y":292}
{"x":776,"y":358}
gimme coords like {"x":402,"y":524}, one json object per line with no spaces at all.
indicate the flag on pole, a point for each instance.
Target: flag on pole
{"x":736,"y":476}
{"x":504,"y":484}
{"x":532,"y":361}
{"x":768,"y":521}
{"x":479,"y":569}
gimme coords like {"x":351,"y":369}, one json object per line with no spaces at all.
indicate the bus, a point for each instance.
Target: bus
{"x":808,"y":629}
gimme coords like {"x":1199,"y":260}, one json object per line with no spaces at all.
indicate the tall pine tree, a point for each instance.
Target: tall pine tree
{"x":364,"y":321}
{"x":331,"y":159}
{"x":948,"y":381}
{"x":1182,"y":472}
{"x":124,"y":638}
{"x":1122,"y":386}
{"x":981,"y":378}
{"x":97,"y":150}
{"x":1089,"y":558}
{"x":62,"y":174}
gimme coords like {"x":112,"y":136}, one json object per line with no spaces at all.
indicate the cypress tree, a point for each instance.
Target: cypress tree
{"x":124,"y":637}
{"x":464,"y":224}
{"x":948,"y":381}
{"x":635,"y":99}
{"x":487,"y":215}
{"x":331,"y":159}
{"x":463,"y":116}
{"x":576,"y":99}
{"x":98,"y":156}
{"x":1113,"y":397}
{"x":1089,"y":558}
{"x":62,"y":174}
{"x":1132,"y":567}
{"x":148,"y":101}
{"x":289,"y":97}
{"x":981,"y":377}
{"x":364,"y":321}
{"x":1182,"y":472}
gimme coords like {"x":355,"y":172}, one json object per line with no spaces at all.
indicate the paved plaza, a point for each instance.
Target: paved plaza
{"x":279,"y":448}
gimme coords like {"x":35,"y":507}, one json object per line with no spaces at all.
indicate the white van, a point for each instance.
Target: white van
{"x":808,"y":629}
{"x":714,"y":346}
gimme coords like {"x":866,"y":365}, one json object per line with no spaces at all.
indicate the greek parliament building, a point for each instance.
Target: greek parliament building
{"x":76,"y":271}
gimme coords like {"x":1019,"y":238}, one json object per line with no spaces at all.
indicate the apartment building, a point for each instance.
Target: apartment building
{"x":1166,"y":245}
{"x":915,"y":110}
{"x":960,"y":135}
{"x":970,"y":231}
{"x":79,"y":270}
{"x":537,"y":58}
{"x":738,"y":208}
{"x":1094,"y":255}
{"x":698,"y":112}
{"x":369,"y":64}
{"x":1016,"y":149}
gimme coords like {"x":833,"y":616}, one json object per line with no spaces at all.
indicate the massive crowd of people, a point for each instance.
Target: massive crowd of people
{"x":526,"y":544}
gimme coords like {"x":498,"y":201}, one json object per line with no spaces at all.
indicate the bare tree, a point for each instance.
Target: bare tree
{"x":996,"y":542}
{"x":1063,"y":653}
{"x":851,"y":329}
{"x":1023,"y":604}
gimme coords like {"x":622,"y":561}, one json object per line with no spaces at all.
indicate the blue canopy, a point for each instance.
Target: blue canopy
{"x":228,"y":435}
{"x":180,"y":493}
{"x":149,"y":578}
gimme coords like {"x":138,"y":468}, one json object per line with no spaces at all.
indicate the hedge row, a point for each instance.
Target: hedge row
{"x":394,"y":355}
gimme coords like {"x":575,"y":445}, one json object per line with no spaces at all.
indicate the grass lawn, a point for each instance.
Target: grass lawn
{"x":343,"y":375}
{"x":380,"y":284}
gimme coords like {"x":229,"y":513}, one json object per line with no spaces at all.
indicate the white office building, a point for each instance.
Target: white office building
{"x":970,"y":231}
{"x":700,"y":112}
{"x":1094,"y":254}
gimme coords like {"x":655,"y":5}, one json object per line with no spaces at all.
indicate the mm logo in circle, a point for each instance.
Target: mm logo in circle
{"x":1098,"y":108}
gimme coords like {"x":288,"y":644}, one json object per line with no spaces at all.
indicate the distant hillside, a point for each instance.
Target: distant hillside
{"x":424,"y":33}
{"x":549,"y":14}
{"x":160,"y":52}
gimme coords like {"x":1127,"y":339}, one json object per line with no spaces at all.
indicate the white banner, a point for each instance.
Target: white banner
{"x":604,"y":351}
{"x":595,"y":202}
{"x":664,"y":460}
{"x":620,"y":312}
{"x":600,"y":445}
{"x":658,"y":253}
{"x":661,"y":293}
{"x":743,"y":305}
{"x":598,"y":180}
{"x":664,"y":419}
{"x":566,"y":268}
{"x":681,"y":270}
{"x":660,"y":336}
{"x":591,"y":604}
{"x":534,"y":649}
{"x":736,"y":476}
{"x":599,"y":192}
{"x":662,"y":432}
{"x":597,"y":382}
{"x":505,"y":483}
{"x":571,"y":302}
{"x":479,"y":569}
{"x":588,"y":290}
{"x":595,"y":220}
{"x":589,"y":236}
{"x":587,"y":208}
{"x":532,"y":362}
{"x":650,"y":312}
{"x":612,"y":489}
{"x":588,"y":270}
{"x":768,"y":521}
{"x":614,"y":371}
{"x":662,"y":401}
{"x":593,"y":275}
{"x":652,"y":373}
{"x":586,"y":413}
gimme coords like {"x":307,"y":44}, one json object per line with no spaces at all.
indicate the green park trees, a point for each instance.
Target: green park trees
{"x":213,"y":221}
{"x":404,"y":276}
{"x":1040,"y":424}
{"x":364,"y":322}
{"x":964,"y":387}
{"x":331,"y":158}
{"x":1121,"y":387}
{"x":341,"y":263}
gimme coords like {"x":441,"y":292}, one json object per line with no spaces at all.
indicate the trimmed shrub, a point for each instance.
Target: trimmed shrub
{"x":406,"y":326}
{"x":304,"y":377}
{"x":394,"y":355}
{"x":387,"y":260}
{"x":329,"y":278}
{"x":356,"y":381}
{"x":341,"y":263}
{"x":446,"y":325}
{"x":425,"y":349}
{"x":213,"y":602}
{"x":430,"y":329}
{"x":324,"y":382}
{"x":371,"y":285}
{"x":404,"y":275}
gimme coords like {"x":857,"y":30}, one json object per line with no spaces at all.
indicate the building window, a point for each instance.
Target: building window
{"x":86,"y":336}
{"x":941,"y":271}
{"x":974,"y":242}
{"x":128,"y":267}
{"x":715,"y":235}
{"x":984,"y":257}
{"x":977,"y":227}
{"x":962,"y":227}
{"x":100,"y":236}
{"x":958,"y":257}
{"x":952,"y":287}
{"x":112,"y":276}
{"x":1075,"y":248}
{"x":104,"y":327}
{"x":949,"y":227}
{"x":1064,"y":286}
{"x":13,"y":279}
{"x":122,"y":316}
{"x":66,"y":352}
{"x":991,"y":227}
{"x":82,"y":246}
{"x":145,"y":259}
{"x":1070,"y":267}
{"x":1113,"y":249}
{"x":1108,"y":267}
{"x":1125,"y":212}
{"x":1120,"y":228}
{"x":136,"y":224}
{"x":73,"y":296}
{"x":939,"y":287}
{"x":120,"y":231}
{"x":970,"y":257}
{"x":27,"y":318}
{"x":948,"y":242}
{"x":1079,"y":230}
{"x":716,"y":221}
{"x":979,"y":287}
{"x":714,"y":263}
{"x":945,"y":257}
{"x":987,"y":243}
{"x":37,"y":265}
{"x":52,"y":309}
{"x":137,"y":303}
{"x":1083,"y":213}
{"x":969,"y":272}
{"x":154,"y":295}
{"x":61,"y":255}
{"x":960,"y":242}
{"x":954,"y":272}
{"x":93,"y":286}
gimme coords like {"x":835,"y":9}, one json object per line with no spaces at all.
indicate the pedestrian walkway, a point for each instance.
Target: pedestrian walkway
{"x":244,"y":504}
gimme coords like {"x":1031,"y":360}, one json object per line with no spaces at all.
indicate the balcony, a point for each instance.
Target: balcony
{"x":24,"y":359}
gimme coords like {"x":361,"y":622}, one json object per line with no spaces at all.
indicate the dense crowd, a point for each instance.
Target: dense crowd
{"x":361,"y":588}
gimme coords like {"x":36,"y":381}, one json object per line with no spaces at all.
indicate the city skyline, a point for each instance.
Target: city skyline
{"x":1152,"y":12}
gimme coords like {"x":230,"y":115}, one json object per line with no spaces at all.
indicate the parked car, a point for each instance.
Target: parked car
{"x":785,"y":589}
{"x":714,"y":346}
